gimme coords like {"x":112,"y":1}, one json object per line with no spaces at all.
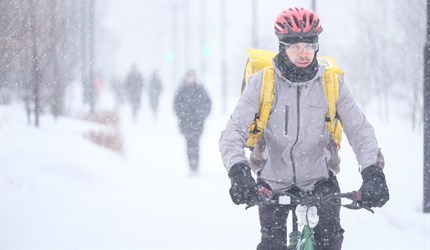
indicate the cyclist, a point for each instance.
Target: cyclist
{"x":297,"y":152}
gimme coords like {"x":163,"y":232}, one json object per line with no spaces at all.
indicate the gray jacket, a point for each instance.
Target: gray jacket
{"x":296,"y":146}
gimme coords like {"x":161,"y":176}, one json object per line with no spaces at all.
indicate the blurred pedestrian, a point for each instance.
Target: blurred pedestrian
{"x":134,"y":87}
{"x":118,"y":90}
{"x":154,"y":91}
{"x":192,"y":106}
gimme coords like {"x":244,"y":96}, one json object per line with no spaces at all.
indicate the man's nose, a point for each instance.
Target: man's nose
{"x":302,"y":51}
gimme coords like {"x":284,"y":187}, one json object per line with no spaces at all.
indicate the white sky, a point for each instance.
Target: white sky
{"x":141,"y":31}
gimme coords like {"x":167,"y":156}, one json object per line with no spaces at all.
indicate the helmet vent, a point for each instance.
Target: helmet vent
{"x":296,"y":21}
{"x":317,"y":23}
{"x":289,"y":22}
{"x":304,"y":21}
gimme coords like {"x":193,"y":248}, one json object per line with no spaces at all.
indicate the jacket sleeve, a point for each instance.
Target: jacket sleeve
{"x":233,"y":138}
{"x":358,"y":130}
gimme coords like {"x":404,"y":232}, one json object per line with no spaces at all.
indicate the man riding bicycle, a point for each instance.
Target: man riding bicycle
{"x":296,"y":150}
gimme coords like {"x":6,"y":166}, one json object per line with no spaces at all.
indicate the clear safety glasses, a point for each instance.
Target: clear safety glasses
{"x":298,"y":47}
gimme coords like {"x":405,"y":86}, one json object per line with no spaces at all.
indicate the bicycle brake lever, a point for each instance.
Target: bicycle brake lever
{"x":264,"y":200}
{"x":355,"y":206}
{"x":369,"y":209}
{"x":249,"y":206}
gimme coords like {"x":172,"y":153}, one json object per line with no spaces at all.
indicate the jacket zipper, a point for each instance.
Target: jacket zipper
{"x":286,"y":119}
{"x":297,"y":137}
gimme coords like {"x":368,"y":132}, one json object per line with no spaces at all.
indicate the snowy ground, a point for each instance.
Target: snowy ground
{"x":61,"y":191}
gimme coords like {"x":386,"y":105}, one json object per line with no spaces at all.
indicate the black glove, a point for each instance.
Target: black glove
{"x":374,"y":189}
{"x":243,"y":186}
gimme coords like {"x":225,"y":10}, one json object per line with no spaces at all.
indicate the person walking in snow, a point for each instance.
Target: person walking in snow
{"x":154,"y":91}
{"x":118,"y":91}
{"x":192,"y":106}
{"x":296,"y":151}
{"x":134,"y":88}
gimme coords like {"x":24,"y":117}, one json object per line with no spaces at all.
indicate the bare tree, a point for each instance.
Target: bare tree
{"x":38,"y":52}
{"x":387,"y":65}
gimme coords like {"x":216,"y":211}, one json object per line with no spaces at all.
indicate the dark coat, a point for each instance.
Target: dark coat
{"x":192,"y":106}
{"x":155,"y":88}
{"x":134,"y":87}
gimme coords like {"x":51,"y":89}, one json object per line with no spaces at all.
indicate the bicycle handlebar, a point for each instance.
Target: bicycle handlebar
{"x":284,"y":197}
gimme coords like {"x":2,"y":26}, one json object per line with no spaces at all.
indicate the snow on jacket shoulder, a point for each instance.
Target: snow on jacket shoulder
{"x":299,"y":149}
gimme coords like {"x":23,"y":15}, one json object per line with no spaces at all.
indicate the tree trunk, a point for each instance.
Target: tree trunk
{"x":35,"y":65}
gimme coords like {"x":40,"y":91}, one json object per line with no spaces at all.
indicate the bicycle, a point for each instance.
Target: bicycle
{"x":305,"y":205}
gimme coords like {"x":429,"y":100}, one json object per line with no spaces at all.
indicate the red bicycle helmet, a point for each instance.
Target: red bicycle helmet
{"x":297,"y":22}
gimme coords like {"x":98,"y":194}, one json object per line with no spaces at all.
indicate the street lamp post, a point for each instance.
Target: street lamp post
{"x":426,"y":203}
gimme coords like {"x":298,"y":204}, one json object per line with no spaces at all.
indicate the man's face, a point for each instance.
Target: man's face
{"x":301,"y":54}
{"x":191,"y":79}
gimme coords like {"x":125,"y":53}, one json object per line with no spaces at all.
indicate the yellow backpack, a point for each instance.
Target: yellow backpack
{"x":262,"y":60}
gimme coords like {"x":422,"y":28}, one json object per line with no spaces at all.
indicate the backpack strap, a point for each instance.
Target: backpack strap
{"x":331,"y":89}
{"x":266,"y":98}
